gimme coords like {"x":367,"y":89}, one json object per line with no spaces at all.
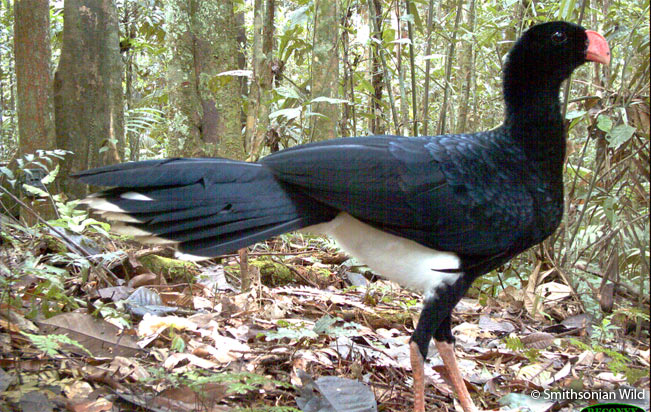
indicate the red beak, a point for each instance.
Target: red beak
{"x":598,"y":50}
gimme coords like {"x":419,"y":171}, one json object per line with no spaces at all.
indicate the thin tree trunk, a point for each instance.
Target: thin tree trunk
{"x":241,"y":65}
{"x":404,"y":105}
{"x":412,"y":65}
{"x":385,"y":71}
{"x":90,"y":124}
{"x":325,"y":70}
{"x":448,"y":68}
{"x":34,"y":109}
{"x":133,"y":139}
{"x":428,"y":51}
{"x":254,"y":91}
{"x":260,"y":95}
{"x":376,"y":122}
{"x":469,"y":69}
{"x":348,"y":113}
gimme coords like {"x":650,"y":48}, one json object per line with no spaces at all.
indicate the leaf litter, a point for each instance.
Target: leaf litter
{"x":314,"y":333}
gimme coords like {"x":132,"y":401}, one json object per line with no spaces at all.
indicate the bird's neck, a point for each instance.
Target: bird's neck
{"x":533,"y":118}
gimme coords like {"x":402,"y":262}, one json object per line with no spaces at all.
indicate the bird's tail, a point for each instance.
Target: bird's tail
{"x":203,"y":207}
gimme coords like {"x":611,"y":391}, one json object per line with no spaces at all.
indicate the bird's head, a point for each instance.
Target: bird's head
{"x":549,"y":52}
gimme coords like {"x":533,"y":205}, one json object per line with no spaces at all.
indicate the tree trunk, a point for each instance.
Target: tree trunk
{"x":348,"y":118}
{"x":468,"y":67}
{"x":377,"y":125}
{"x":33,"y":84}
{"x":88,"y":90}
{"x":260,"y":96}
{"x":412,"y":66}
{"x":132,"y":139}
{"x":325,"y":70}
{"x":206,"y":105}
{"x":428,"y":51}
{"x":404,"y":104}
{"x":240,"y":21}
{"x":448,"y":69}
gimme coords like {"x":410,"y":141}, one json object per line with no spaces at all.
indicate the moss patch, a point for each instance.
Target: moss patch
{"x":171,"y":268}
{"x":272,"y":273}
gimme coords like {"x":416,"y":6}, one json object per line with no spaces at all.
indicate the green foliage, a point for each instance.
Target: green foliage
{"x":178,"y":344}
{"x":51,"y":344}
{"x":515,"y":344}
{"x":235,"y":382}
{"x":324,"y":326}
{"x":35,"y":172}
{"x":49,"y":292}
{"x":619,"y":363}
{"x":141,"y":119}
{"x":243,"y":382}
{"x":76,"y":220}
{"x":606,"y":329}
{"x":140,"y":124}
{"x":62,"y":264}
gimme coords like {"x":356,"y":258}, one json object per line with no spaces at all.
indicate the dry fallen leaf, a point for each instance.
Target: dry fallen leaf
{"x":536,"y":373}
{"x":127,"y":368}
{"x":553,"y":292}
{"x":98,"y":405}
{"x":174,"y":359}
{"x":101,"y":338}
{"x":155,"y":325}
{"x":538,"y":340}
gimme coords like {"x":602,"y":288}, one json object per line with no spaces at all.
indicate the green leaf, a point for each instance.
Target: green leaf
{"x":51,"y":344}
{"x":50,"y":176}
{"x":178,"y":344}
{"x":290,"y":114}
{"x":573,"y":114}
{"x":365,"y":85}
{"x":331,"y":100}
{"x":402,"y":41}
{"x":620,"y":134}
{"x":237,"y":73}
{"x":566,"y":9}
{"x":609,"y":210}
{"x":297,"y":17}
{"x":7,"y":172}
{"x":604,"y":123}
{"x":326,"y":326}
{"x":323,"y":325}
{"x":407,"y":17}
{"x":293,"y":334}
{"x":413,"y":11}
{"x":288,"y":92}
{"x":34,"y":190}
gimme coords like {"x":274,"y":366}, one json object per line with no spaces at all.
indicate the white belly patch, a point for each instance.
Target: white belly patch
{"x":401,"y":260}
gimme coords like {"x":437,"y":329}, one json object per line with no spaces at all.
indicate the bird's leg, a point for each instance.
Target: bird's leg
{"x":434,"y":322}
{"x":446,"y":351}
{"x":418,"y":372}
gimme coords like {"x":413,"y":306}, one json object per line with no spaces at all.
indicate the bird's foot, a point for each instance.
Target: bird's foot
{"x":418,"y":372}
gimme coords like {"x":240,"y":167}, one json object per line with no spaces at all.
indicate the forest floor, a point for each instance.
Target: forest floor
{"x":130,"y":329}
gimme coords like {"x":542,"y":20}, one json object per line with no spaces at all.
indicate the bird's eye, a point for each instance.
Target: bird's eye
{"x":559,"y":37}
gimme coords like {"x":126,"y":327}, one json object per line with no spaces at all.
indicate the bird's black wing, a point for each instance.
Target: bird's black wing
{"x":453,"y":193}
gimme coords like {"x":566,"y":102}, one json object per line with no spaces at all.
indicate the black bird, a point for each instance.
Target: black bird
{"x":431,"y":213}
